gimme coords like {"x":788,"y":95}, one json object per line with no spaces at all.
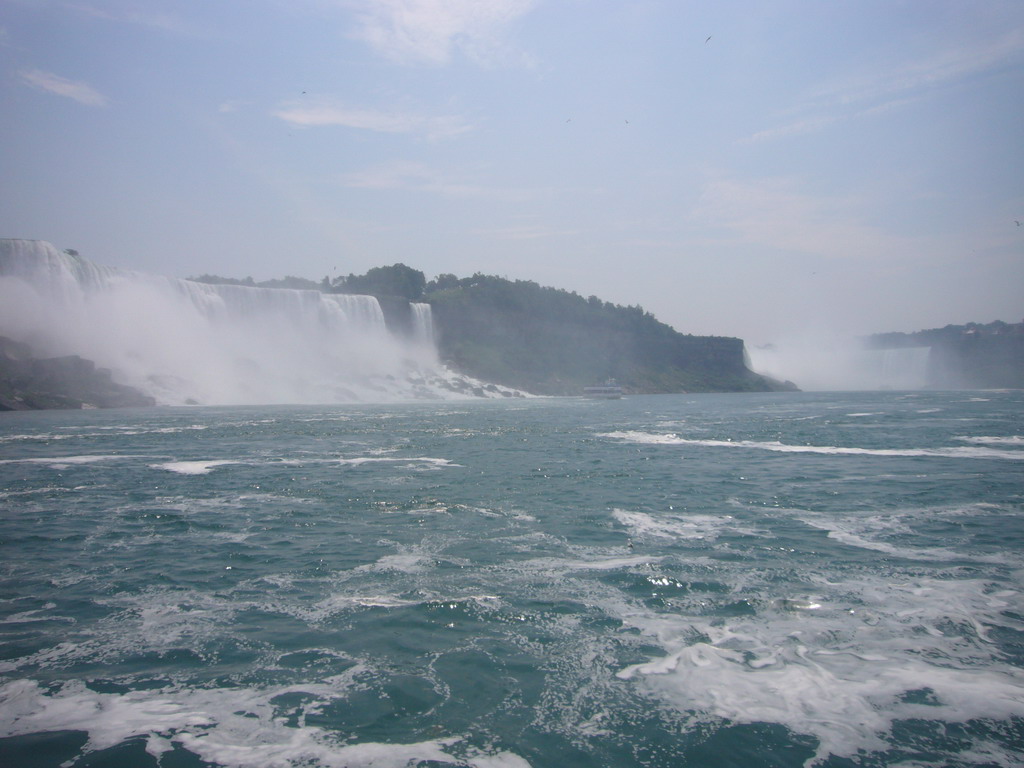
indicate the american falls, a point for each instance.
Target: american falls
{"x":185,"y":342}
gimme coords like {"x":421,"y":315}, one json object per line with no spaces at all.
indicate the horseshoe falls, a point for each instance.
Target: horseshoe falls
{"x":185,"y":342}
{"x":784,"y":580}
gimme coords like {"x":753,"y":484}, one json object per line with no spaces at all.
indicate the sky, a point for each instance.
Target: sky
{"x":765,"y":170}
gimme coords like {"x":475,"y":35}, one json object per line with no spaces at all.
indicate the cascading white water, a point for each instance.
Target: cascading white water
{"x":902,"y":367}
{"x":422,"y":323}
{"x":188,"y":342}
{"x":834,"y":363}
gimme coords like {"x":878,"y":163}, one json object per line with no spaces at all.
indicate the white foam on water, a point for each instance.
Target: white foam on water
{"x":993,"y":440}
{"x":232,"y":727}
{"x":193,"y":467}
{"x":404,"y":562}
{"x":607,"y":564}
{"x":429,"y":461}
{"x":479,"y":759}
{"x":648,"y":438}
{"x":39,"y":614}
{"x":683,"y":526}
{"x":63,"y":462}
{"x":842,"y":666}
{"x":952,"y":452}
{"x":346,"y":603}
{"x":910,"y":553}
{"x":873,"y":532}
{"x":826,"y":695}
{"x":153,"y":621}
{"x":335,"y":604}
{"x":44,"y":437}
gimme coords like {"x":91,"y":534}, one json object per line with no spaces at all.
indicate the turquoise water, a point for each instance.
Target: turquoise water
{"x":711,"y":580}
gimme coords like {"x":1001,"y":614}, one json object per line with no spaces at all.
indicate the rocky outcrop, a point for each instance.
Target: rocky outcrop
{"x":29,"y":383}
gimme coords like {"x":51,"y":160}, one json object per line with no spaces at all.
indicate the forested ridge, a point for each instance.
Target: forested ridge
{"x":551,"y":341}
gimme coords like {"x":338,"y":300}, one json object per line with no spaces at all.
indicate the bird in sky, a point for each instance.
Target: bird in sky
{"x":706,"y":41}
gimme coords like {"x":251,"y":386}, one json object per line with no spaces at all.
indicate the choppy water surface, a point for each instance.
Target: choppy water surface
{"x":733,"y":580}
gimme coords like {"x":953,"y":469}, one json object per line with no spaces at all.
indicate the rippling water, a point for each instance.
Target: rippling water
{"x":713,"y":580}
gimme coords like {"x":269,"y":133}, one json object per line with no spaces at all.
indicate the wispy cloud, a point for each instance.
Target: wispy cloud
{"x":231,"y":105}
{"x":950,"y":65}
{"x":800,"y":127}
{"x":333,"y":114}
{"x":129,"y":12}
{"x":72,"y":89}
{"x":777,"y":214}
{"x":408,"y":176}
{"x":418,"y":177}
{"x":887,"y":88}
{"x":416,"y":31}
{"x":528,"y":232}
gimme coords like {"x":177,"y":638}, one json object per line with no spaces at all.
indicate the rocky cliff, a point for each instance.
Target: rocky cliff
{"x":28,"y":382}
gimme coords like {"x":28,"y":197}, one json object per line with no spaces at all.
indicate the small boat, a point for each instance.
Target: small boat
{"x":607,"y":391}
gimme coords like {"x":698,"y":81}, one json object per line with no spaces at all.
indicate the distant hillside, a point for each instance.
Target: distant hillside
{"x":297,"y":283}
{"x":971,"y":356}
{"x":550,"y":341}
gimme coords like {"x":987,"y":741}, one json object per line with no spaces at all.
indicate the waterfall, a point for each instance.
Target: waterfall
{"x":187,"y":342}
{"x":823,"y":362}
{"x":422,"y":323}
{"x":901,"y":367}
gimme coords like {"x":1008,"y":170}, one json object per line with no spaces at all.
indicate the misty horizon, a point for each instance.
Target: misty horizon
{"x":738,"y":170}
{"x":190,"y":341}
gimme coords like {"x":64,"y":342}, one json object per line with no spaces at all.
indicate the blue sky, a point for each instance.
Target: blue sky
{"x":755,"y":169}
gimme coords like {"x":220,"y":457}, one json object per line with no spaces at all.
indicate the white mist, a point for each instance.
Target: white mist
{"x":186,"y":342}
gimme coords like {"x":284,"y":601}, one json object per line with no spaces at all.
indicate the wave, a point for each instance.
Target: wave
{"x":992,"y":440}
{"x":705,"y":528}
{"x":193,"y":467}
{"x":63,"y":462}
{"x":428,"y":460}
{"x":951,"y":452}
{"x":205,"y":466}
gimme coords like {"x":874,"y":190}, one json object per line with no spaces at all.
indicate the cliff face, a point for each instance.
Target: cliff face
{"x":552,"y":342}
{"x":978,"y":362}
{"x":28,"y":382}
{"x":972,"y":356}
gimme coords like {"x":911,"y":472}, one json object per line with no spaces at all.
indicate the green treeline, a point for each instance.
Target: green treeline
{"x":295,"y":283}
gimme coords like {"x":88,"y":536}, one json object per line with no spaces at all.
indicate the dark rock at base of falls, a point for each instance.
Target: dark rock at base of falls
{"x":31,"y":383}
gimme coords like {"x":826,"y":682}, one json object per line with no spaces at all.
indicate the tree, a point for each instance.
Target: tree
{"x":397,"y":280}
